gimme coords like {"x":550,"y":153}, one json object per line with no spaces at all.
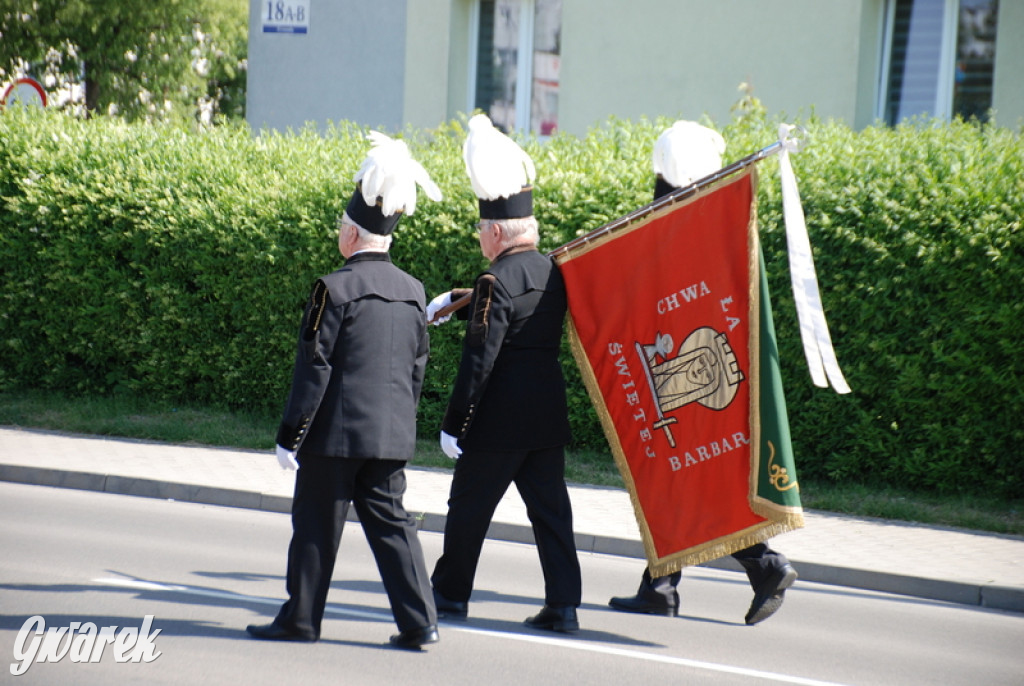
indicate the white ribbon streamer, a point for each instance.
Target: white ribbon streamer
{"x":821,"y":357}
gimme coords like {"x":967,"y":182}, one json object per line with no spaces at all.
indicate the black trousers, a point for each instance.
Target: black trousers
{"x":480,"y":481}
{"x":324,"y":487}
{"x":758,"y":561}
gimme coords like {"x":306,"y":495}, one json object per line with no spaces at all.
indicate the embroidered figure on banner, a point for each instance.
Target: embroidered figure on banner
{"x":704,"y":371}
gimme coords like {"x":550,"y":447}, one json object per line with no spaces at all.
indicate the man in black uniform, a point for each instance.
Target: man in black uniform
{"x":507,"y":419}
{"x":683,"y":154}
{"x":351,"y":412}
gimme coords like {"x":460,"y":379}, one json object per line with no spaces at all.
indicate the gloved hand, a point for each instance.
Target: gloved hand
{"x":450,"y":445}
{"x":286,"y":458}
{"x":443,"y":300}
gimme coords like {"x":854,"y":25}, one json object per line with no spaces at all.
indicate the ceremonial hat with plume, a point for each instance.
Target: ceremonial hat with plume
{"x":386,"y":185}
{"x":684,"y":153}
{"x":500,"y":172}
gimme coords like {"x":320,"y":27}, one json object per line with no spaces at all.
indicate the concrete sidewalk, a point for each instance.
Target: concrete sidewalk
{"x":928,"y":562}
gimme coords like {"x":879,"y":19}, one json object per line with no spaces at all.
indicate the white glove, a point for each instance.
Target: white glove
{"x":443,"y":300}
{"x":286,"y":458}
{"x":450,"y":445}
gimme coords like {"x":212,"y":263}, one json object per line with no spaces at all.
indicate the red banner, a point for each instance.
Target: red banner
{"x":664,"y":323}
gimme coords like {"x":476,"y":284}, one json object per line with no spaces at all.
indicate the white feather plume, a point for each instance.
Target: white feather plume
{"x":686,"y":152}
{"x":497,"y":166}
{"x":390,"y":173}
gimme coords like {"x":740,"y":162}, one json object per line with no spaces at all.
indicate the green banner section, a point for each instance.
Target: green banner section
{"x":776,"y":474}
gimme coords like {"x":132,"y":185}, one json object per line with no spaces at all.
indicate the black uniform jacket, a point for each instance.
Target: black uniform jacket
{"x":509,"y":393}
{"x":359,"y":367}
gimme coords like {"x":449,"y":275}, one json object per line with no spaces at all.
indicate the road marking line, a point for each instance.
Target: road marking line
{"x":228,"y":595}
{"x":650,"y":657}
{"x":525,"y":638}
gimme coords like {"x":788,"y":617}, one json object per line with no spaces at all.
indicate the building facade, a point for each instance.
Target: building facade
{"x":569,"y":65}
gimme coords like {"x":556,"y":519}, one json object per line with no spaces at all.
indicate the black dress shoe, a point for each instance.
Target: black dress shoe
{"x":276,"y":632}
{"x":656,"y":596}
{"x":450,"y":609}
{"x":414,"y":639}
{"x":649,"y":603}
{"x":561,"y":619}
{"x":769,"y":595}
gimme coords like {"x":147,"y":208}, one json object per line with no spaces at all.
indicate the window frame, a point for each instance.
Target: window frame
{"x":524,"y":67}
{"x":945,"y":76}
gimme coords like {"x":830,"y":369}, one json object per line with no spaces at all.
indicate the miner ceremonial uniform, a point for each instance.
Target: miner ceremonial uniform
{"x":511,"y":350}
{"x":508,"y":411}
{"x":350,"y":419}
{"x":347,"y":398}
{"x":351,"y":416}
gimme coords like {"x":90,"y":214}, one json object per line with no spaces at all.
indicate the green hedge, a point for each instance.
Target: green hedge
{"x":154,"y":261}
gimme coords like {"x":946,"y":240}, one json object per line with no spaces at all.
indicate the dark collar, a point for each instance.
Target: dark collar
{"x":369,"y":257}
{"x":515,"y":250}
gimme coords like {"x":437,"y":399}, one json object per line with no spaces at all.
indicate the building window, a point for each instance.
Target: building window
{"x":517,"y":94}
{"x":939,"y":59}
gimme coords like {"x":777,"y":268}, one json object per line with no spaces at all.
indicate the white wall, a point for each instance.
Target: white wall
{"x":350,"y":65}
{"x":426,"y":62}
{"x":391,"y":63}
{"x":1008,"y":96}
{"x":688,"y":57}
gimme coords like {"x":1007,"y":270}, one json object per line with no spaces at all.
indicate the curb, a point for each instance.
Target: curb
{"x":985,"y":595}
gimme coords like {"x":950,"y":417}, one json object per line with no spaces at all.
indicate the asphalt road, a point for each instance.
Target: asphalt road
{"x":205,"y":572}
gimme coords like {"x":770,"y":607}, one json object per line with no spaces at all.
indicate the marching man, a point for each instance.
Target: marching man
{"x":683,"y":154}
{"x":507,"y":419}
{"x":349,"y":425}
